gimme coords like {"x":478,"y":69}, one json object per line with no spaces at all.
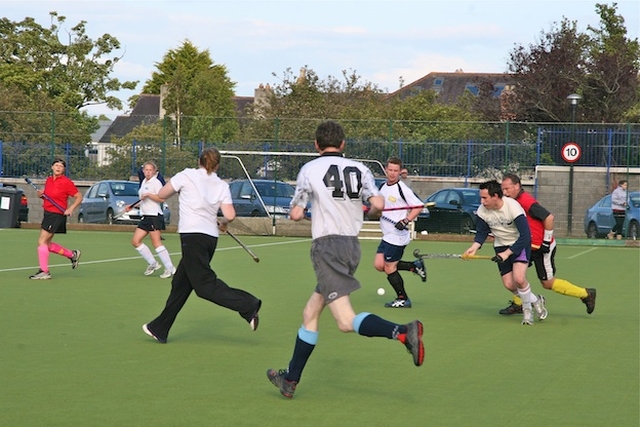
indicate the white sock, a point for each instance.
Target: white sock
{"x":163,"y":254}
{"x":145,"y":252}
{"x":525,"y":294}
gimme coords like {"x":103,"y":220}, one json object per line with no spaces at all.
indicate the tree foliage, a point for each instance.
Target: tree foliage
{"x":602,"y":65}
{"x":75,"y":71}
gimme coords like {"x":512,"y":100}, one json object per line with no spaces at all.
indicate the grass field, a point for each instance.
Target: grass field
{"x":73,"y":353}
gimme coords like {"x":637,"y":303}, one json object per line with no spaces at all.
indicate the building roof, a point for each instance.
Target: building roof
{"x":146,"y":111}
{"x":450,"y":86}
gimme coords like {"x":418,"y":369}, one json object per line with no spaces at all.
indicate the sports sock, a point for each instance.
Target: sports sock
{"x":146,"y":254}
{"x":564,"y":287}
{"x":370,"y":325}
{"x":43,"y":257}
{"x":405,"y":266}
{"x":57,"y":249}
{"x":163,"y":254}
{"x":305,"y":343}
{"x":395,"y":279}
{"x":526,"y":296}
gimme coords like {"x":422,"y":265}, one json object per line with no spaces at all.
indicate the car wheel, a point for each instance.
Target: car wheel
{"x":632,"y":232}
{"x":592,"y":230}
{"x":255,"y":213}
{"x":80,"y":218}
{"x":109,"y":217}
{"x":466,"y":225}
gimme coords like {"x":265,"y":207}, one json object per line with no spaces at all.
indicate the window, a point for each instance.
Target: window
{"x":472,"y":88}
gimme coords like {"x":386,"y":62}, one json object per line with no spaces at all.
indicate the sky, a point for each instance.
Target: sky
{"x":384,"y":42}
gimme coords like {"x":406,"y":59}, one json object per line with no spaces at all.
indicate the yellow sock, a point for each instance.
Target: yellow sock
{"x":517,"y":300}
{"x":565,"y":287}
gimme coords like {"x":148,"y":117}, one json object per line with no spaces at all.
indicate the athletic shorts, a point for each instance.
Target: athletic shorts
{"x":507,"y":266}
{"x":151,"y":223}
{"x":545,"y":263}
{"x":335,"y":260}
{"x":54,"y":223}
{"x":391,"y":253}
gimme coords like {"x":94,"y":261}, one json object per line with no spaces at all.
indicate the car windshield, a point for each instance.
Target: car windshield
{"x":271,"y":189}
{"x":124,"y":188}
{"x":634,"y":201}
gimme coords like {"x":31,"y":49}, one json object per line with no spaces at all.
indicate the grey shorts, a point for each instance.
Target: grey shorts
{"x":335,"y":260}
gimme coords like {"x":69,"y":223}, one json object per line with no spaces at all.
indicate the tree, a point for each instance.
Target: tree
{"x":195,"y":87}
{"x":76,"y":73}
{"x":602,"y":65}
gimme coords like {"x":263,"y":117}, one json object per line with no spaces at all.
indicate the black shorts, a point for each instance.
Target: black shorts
{"x":54,"y":223}
{"x":151,"y":223}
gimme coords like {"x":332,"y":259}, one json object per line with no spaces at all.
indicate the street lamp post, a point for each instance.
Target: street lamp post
{"x":573,"y":99}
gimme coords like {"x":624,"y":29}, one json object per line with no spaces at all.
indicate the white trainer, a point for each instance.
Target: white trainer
{"x":151,"y":269}
{"x":540,"y":307}
{"x":527,"y":316}
{"x":168,"y":273}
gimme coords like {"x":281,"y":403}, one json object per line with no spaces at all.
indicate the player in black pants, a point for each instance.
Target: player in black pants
{"x":202,"y":194}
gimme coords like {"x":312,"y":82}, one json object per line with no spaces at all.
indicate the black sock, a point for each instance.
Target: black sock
{"x":374,"y":326}
{"x":406,"y":266}
{"x":395,"y":279}
{"x":301,"y":353}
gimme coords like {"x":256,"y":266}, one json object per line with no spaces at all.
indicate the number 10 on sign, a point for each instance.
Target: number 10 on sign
{"x":571,"y":152}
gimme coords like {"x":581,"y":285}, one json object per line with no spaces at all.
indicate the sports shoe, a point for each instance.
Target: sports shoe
{"x":511,"y":309}
{"x":399,"y":303}
{"x":277,"y":378}
{"x":540,"y":308}
{"x":527,"y":316}
{"x":413,"y":341}
{"x":166,"y":274}
{"x":148,"y":331}
{"x":253,"y":322}
{"x":41,"y":275}
{"x":611,"y":235}
{"x":75,"y":259}
{"x":420,"y":269}
{"x":590,"y":300}
{"x":151,"y":269}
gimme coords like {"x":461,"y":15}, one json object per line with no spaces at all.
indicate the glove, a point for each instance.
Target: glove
{"x":546,"y":247}
{"x":402,"y":225}
{"x":497,"y":259}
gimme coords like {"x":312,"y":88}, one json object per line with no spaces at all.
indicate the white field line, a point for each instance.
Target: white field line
{"x":66,"y":264}
{"x":582,"y":253}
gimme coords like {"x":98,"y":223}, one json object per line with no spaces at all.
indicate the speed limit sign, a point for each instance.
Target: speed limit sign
{"x":571,"y":152}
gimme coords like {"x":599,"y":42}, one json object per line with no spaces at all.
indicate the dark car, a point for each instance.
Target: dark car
{"x":598,"y":220}
{"x":454,"y":211}
{"x":104,"y":201}
{"x":272,"y":197}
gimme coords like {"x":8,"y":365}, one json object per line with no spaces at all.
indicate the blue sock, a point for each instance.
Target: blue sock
{"x":305,"y":343}
{"x":370,"y":325}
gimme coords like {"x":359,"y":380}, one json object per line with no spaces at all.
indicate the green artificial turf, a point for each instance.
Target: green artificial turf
{"x":72,"y":351}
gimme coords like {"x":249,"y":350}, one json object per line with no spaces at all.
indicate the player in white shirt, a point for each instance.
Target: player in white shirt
{"x":395,"y":233}
{"x":506,"y":219}
{"x":151,"y":223}
{"x":201,"y":194}
{"x":336,"y":187}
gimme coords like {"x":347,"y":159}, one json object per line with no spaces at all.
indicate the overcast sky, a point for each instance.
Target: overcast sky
{"x":383,"y":41}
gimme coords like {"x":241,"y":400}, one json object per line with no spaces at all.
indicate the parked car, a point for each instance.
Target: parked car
{"x":105,"y":200}
{"x":598,"y":220}
{"x":272,"y":196}
{"x":455,"y":211}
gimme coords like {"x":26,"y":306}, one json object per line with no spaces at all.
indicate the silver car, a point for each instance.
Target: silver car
{"x":104,"y":202}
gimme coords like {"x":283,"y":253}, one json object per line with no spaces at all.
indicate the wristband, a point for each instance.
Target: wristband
{"x":548,"y":235}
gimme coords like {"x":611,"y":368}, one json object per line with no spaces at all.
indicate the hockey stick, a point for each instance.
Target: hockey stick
{"x":54,"y":203}
{"x":417,"y":254}
{"x":254,"y":256}
{"x":401,"y":208}
{"x":124,"y":210}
